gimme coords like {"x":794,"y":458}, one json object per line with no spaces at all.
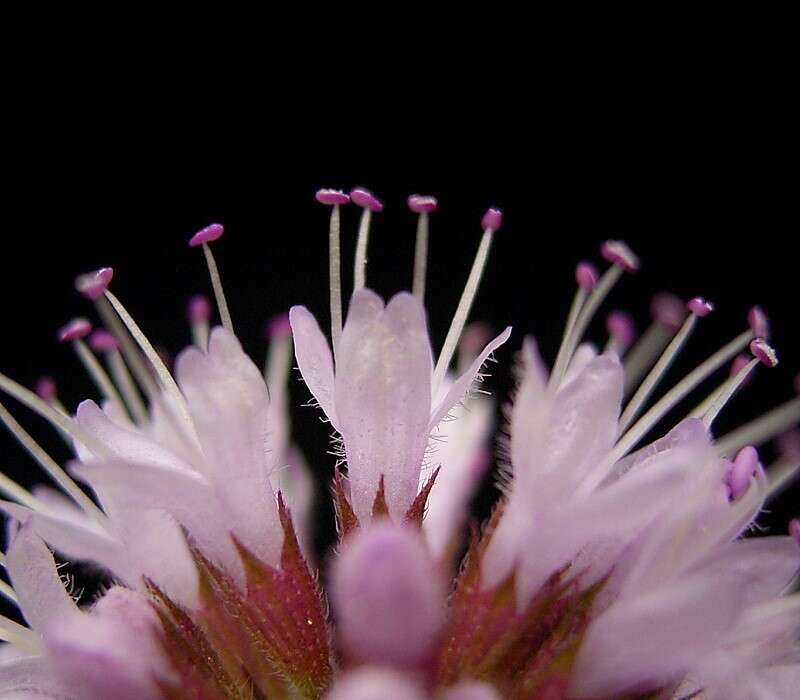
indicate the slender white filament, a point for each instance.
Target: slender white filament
{"x":335,"y":275}
{"x":462,"y":311}
{"x":24,"y":639}
{"x":51,"y":467}
{"x":200,"y":333}
{"x":761,"y":429}
{"x":587,"y":312}
{"x":360,"y":267}
{"x":678,"y":393}
{"x":780,"y":475}
{"x":16,"y":493}
{"x":578,"y":302}
{"x":421,"y":257}
{"x":132,"y":355}
{"x":643,"y":354}
{"x":723,"y":395}
{"x":53,"y":416}
{"x":98,"y":374}
{"x":157,"y":363}
{"x":216,"y":284}
{"x":657,"y":373}
{"x":8,"y":593}
{"x":124,"y":381}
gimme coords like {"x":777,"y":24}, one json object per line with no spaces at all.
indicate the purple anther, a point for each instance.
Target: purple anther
{"x":759,"y":322}
{"x":586,"y":276}
{"x":764,"y":352}
{"x":667,"y":310}
{"x":76,"y":329}
{"x":700,"y":307}
{"x":422,"y":203}
{"x":620,"y":327}
{"x":103,"y":341}
{"x":618,"y":253}
{"x":94,"y":284}
{"x":492,"y":220}
{"x":278,"y":326}
{"x":198,"y":310}
{"x":46,"y":389}
{"x":206,"y":235}
{"x":331,"y":197}
{"x":364,"y":198}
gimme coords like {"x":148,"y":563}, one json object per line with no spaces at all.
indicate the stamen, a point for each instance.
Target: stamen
{"x":75,"y":331}
{"x":781,"y":475}
{"x":726,"y":392}
{"x":621,"y":331}
{"x":759,"y":322}
{"x":26,"y":640}
{"x":51,"y":467}
{"x":422,"y":205}
{"x":674,"y":396}
{"x":622,"y":259}
{"x":698,"y":308}
{"x":157,"y":363}
{"x":668,"y":313}
{"x":19,"y":494}
{"x":203,"y":237}
{"x":586,"y":277}
{"x":476,"y":337}
{"x":334,"y":199}
{"x":198,"y":312}
{"x":491,"y":222}
{"x":369,"y":203}
{"x":279,"y":354}
{"x":764,"y":428}
{"x":105,"y":342}
{"x":8,"y":593}
{"x":763,"y":352}
{"x":47,"y":391}
{"x":743,"y":469}
{"x":50,"y":414}
{"x":93,"y":284}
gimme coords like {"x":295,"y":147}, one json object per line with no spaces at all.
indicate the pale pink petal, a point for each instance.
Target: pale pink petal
{"x":653,"y":640}
{"x":75,"y":541}
{"x":375,"y":684}
{"x":124,"y":443}
{"x":383,"y":397}
{"x":112,"y":652}
{"x":33,"y":573}
{"x":314,"y":359}
{"x":387,"y":595}
{"x":229,"y":403}
{"x":767,"y":564}
{"x":583,"y":425}
{"x":464,"y":457}
{"x":126,"y":488}
{"x":531,"y":416}
{"x":619,"y":512}
{"x":462,"y":385}
{"x":471,"y":691}
{"x":584,"y":354}
{"x":31,"y":678}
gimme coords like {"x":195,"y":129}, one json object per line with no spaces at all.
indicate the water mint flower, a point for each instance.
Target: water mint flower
{"x":616,"y":563}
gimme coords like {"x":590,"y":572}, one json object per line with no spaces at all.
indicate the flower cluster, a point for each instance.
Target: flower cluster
{"x":611,"y":567}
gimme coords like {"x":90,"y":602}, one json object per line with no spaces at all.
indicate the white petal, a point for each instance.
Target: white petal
{"x":314,"y":359}
{"x":383,"y":398}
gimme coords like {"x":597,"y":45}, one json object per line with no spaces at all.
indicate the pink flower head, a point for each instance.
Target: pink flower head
{"x":615,"y":562}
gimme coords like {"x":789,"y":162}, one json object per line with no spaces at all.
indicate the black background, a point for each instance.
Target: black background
{"x":696,"y":181}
